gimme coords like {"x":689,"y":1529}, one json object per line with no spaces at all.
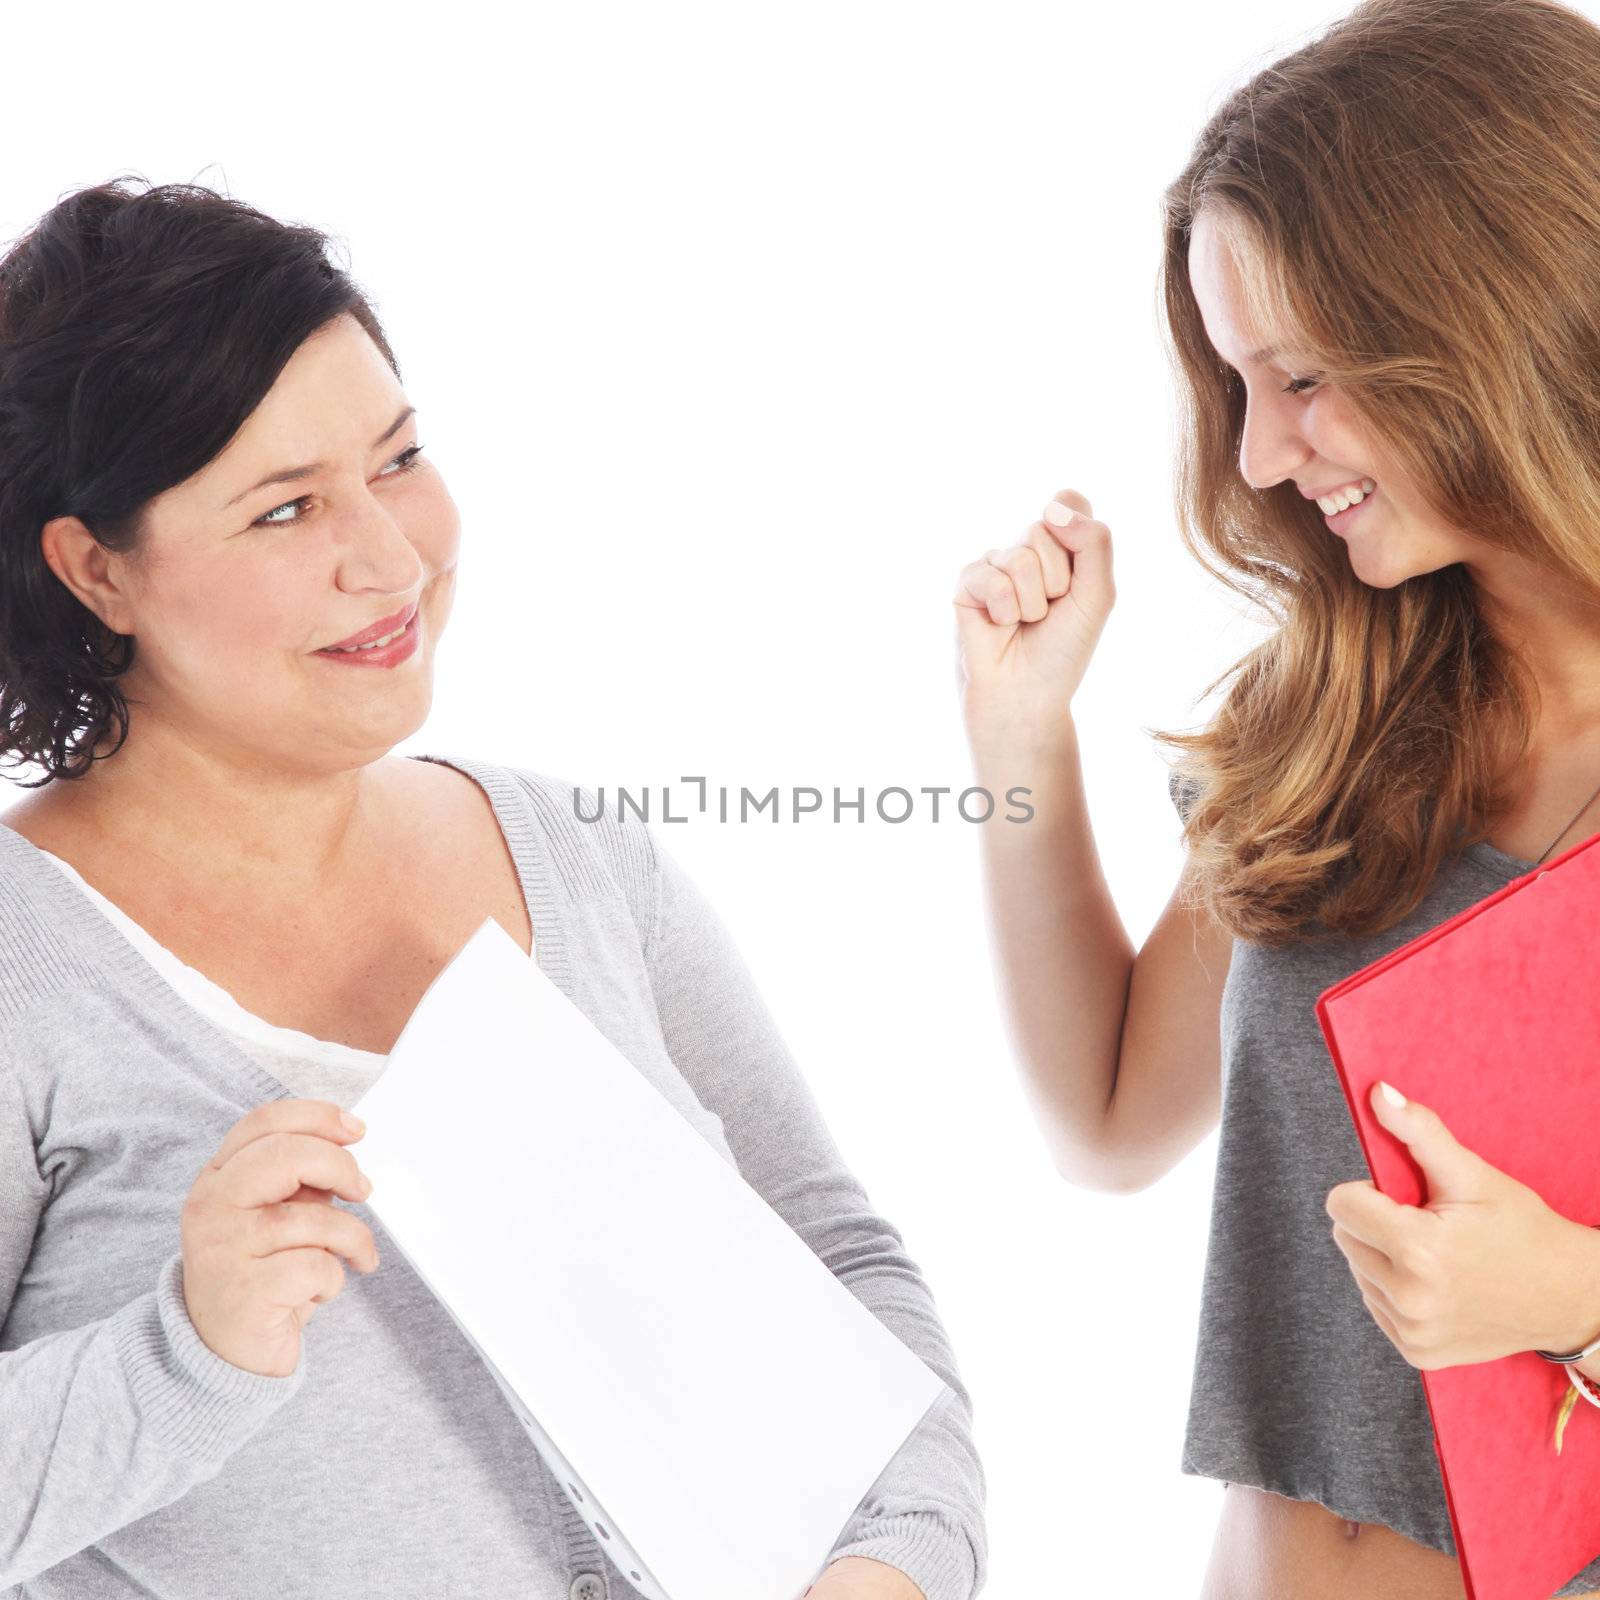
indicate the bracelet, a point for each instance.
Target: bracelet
{"x":1578,"y":1385}
{"x":1587,"y":1387}
{"x":1577,"y":1355}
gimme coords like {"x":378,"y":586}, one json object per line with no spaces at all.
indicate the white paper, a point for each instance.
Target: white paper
{"x":714,"y":1400}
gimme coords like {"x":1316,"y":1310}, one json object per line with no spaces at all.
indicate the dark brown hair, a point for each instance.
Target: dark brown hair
{"x":138,"y":331}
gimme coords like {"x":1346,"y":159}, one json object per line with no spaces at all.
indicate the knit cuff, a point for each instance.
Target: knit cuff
{"x":202,"y":1407}
{"x":930,"y":1550}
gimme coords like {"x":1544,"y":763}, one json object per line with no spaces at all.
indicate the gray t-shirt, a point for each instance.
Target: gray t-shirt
{"x":1296,"y":1388}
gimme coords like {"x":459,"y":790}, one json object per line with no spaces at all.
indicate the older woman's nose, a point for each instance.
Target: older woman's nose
{"x":376,"y":552}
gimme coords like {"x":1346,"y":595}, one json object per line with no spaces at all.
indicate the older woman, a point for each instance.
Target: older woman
{"x":217,"y":911}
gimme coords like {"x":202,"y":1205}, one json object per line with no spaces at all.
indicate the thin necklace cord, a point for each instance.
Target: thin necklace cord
{"x":1562,"y":835}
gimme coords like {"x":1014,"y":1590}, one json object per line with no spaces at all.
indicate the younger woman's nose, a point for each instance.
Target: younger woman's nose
{"x":1270,"y":451}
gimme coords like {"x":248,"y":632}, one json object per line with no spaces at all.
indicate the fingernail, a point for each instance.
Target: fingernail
{"x":1392,"y":1094}
{"x":352,"y":1124}
{"x":1057,"y":513}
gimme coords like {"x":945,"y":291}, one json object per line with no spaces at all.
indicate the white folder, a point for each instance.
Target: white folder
{"x":712,"y":1399}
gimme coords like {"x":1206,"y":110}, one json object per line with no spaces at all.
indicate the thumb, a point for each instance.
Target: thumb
{"x":1450,"y":1168}
{"x":1088,"y":542}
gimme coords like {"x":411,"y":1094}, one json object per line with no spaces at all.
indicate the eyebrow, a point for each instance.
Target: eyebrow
{"x":294,"y":474}
{"x":1257,"y":357}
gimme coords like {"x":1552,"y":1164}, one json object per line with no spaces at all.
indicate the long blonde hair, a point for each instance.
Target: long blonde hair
{"x":1412,"y":199}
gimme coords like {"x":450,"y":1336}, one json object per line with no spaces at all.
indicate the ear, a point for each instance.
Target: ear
{"x":97,"y":576}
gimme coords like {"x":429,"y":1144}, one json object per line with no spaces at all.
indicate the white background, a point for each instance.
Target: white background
{"x":736,"y":330}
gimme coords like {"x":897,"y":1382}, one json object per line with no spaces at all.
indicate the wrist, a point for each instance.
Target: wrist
{"x":865,"y":1578}
{"x":996,"y":732}
{"x":1576,"y":1321}
{"x":1035,"y":756}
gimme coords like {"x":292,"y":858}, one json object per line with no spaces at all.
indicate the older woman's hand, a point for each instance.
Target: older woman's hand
{"x":1483,"y":1269}
{"x":263,"y":1243}
{"x":861,"y":1578}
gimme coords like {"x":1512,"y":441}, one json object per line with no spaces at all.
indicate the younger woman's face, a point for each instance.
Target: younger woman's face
{"x":1313,"y":437}
{"x":238,"y":584}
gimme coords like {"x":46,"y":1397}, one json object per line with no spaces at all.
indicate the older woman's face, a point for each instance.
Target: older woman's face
{"x":236,"y":587}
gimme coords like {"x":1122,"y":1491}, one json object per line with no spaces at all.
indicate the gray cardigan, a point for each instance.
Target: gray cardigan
{"x":135,"y":1461}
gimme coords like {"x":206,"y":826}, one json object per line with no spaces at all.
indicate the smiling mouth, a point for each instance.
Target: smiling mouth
{"x":396,"y":648}
{"x":398,"y":625}
{"x":1340,"y":520}
{"x":371,"y":644}
{"x":1350,"y":494}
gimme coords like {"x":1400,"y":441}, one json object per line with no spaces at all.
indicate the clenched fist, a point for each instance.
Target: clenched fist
{"x":1027,"y":620}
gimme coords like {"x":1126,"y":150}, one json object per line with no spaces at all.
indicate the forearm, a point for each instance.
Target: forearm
{"x":924,"y":1515}
{"x":108,"y":1422}
{"x":1063,"y":959}
{"x":1571,"y":1305}
{"x":1584,"y":1325}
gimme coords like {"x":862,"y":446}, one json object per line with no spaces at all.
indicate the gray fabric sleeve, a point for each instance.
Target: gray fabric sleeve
{"x":925,"y":1513}
{"x":103,"y":1424}
{"x":1184,"y":792}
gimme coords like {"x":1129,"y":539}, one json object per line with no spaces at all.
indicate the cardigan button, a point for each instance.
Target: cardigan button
{"x":588,"y":1586}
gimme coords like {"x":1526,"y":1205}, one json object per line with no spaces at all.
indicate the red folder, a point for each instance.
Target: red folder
{"x":1492,"y":1018}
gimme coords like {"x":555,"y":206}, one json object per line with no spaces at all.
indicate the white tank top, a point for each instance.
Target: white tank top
{"x":316,"y":1068}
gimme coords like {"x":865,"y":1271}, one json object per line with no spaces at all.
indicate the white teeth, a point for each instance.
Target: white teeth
{"x":1342,"y":498}
{"x":388,"y":638}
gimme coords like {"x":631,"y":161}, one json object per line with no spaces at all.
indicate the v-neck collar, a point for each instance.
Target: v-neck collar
{"x":1498,"y":861}
{"x":78,"y":915}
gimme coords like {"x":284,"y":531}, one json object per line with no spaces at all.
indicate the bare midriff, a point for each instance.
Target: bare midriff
{"x":1269,"y":1547}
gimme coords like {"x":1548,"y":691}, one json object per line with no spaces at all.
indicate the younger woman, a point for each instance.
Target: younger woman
{"x":1379,"y":279}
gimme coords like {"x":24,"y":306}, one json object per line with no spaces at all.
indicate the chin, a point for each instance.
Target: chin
{"x":1382,"y":579}
{"x":1389,"y":564}
{"x":1392,"y":580}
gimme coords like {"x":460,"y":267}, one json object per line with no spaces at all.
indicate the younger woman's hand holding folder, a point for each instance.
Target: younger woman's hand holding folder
{"x":1483,"y":1269}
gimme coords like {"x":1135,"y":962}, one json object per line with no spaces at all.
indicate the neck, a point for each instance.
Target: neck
{"x":228,"y":816}
{"x":1553,"y":626}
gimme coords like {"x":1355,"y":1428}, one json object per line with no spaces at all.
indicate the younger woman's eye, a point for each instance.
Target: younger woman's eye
{"x":1299,"y":385}
{"x":406,"y":461}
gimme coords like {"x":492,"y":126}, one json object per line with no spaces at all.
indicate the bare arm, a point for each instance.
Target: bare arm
{"x":1169,"y":1080}
{"x":1119,"y":1050}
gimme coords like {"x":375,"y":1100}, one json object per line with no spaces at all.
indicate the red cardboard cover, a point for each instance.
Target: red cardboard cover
{"x":1492,"y":1018}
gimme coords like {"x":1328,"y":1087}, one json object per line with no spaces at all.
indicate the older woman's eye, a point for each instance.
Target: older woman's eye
{"x":404,"y":462}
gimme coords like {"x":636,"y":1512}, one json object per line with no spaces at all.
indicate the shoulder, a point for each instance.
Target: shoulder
{"x":47,"y":946}
{"x":593,"y":848}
